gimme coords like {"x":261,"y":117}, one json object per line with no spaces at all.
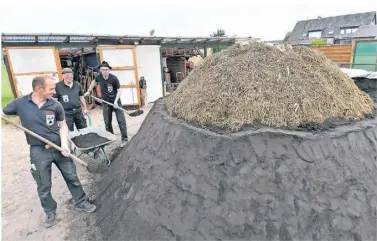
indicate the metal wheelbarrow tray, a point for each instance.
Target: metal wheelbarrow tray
{"x":98,"y":150}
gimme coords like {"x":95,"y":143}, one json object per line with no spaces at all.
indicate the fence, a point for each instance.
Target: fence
{"x":336,"y":53}
{"x":370,"y":67}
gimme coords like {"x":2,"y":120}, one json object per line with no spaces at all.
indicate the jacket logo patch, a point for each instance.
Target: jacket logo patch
{"x":50,"y":120}
{"x":65,"y":98}
{"x":109,"y":88}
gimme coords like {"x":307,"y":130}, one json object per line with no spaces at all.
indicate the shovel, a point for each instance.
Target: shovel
{"x":91,"y":168}
{"x":132,"y":114}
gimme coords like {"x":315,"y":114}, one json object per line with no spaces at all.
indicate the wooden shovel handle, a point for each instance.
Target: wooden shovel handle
{"x":132,"y":114}
{"x":44,"y":140}
{"x":106,"y":102}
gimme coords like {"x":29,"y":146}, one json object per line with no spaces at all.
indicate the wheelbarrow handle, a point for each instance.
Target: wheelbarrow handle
{"x":44,"y":140}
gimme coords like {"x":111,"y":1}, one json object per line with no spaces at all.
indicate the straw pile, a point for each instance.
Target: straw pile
{"x":280,"y":87}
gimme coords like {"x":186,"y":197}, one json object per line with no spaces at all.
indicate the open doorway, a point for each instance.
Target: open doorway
{"x":84,"y":64}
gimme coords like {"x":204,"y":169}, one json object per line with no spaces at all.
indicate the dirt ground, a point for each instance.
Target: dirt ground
{"x":22,"y":215}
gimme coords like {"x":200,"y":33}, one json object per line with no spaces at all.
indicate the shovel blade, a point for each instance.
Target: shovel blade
{"x":136,"y":113}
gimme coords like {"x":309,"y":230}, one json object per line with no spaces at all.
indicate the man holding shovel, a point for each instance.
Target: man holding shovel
{"x":70,"y":94}
{"x":45,"y":116}
{"x":110,"y":89}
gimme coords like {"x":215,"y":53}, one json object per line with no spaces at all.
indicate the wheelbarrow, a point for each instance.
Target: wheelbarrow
{"x":97,"y":152}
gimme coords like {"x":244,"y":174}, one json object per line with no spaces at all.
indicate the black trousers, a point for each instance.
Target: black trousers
{"x":108,"y":118}
{"x":75,"y":117}
{"x":41,"y":162}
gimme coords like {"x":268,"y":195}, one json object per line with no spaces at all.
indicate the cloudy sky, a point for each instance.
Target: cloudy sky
{"x":269,"y":20}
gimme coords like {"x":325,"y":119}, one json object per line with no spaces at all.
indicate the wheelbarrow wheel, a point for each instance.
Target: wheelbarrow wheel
{"x":99,"y":162}
{"x":100,"y":156}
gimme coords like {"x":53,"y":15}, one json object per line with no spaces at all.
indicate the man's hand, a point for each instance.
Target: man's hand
{"x":85,"y":110}
{"x":116,"y":104}
{"x":66,"y":151}
{"x":87,"y":94}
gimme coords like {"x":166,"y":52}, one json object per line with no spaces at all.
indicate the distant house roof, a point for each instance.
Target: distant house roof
{"x":331,"y":26}
{"x":366,"y":31}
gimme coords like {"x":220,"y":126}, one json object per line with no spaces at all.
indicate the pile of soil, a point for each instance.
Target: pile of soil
{"x":89,"y":140}
{"x":368,"y":85}
{"x":174,"y":181}
{"x":262,"y":85}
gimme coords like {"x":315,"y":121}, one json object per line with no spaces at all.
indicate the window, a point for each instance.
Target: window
{"x":345,"y":41}
{"x":315,"y":34}
{"x":348,"y":30}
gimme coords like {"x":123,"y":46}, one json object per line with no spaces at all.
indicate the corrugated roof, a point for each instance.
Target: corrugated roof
{"x":9,"y":38}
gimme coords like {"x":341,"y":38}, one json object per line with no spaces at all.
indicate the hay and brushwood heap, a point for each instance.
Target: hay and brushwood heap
{"x":277,"y":86}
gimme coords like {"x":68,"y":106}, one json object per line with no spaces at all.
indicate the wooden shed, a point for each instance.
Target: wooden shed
{"x":29,"y":55}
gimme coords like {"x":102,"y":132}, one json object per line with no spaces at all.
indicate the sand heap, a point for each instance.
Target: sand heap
{"x":177,"y":181}
{"x":274,"y":86}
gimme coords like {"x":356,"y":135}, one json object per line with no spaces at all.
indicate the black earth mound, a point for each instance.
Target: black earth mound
{"x":174,"y":181}
{"x":367,"y":85}
{"x":89,"y":140}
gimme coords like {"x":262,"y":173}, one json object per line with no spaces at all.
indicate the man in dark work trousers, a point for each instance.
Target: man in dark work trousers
{"x":71,"y":95}
{"x":110,"y":89}
{"x":43,"y":115}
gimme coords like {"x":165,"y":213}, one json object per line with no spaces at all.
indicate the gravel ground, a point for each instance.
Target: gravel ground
{"x":22,"y":214}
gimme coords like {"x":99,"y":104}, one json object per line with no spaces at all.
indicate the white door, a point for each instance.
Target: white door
{"x":122,"y":59}
{"x":25,"y":63}
{"x":149,"y":66}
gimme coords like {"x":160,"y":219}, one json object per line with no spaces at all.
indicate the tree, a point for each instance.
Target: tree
{"x":287,"y":35}
{"x":219,"y":33}
{"x":151,"y":32}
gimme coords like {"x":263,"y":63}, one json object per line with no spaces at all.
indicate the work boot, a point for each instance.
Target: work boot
{"x":124,"y":142}
{"x":50,"y":219}
{"x":86,"y":207}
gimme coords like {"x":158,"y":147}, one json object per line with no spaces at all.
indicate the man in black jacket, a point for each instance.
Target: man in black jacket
{"x":110,"y":89}
{"x":45,"y":116}
{"x":70,"y":94}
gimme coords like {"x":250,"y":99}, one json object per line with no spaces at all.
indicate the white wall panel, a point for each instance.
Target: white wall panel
{"x":32,"y":60}
{"x":24,"y":83}
{"x":118,"y":57}
{"x":125,"y":77}
{"x":149,"y":66}
{"x":128,"y":96}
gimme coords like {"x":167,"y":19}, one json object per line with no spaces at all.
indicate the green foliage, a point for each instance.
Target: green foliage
{"x":317,"y":42}
{"x":219,"y":33}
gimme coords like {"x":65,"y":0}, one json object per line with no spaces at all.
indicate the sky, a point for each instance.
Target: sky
{"x":269,"y":20}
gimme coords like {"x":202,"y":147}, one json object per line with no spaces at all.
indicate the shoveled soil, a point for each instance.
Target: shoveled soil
{"x":89,"y":140}
{"x":368,"y":85}
{"x":174,"y":181}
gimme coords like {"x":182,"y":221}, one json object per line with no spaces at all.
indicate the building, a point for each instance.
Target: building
{"x":335,"y":30}
{"x":28,"y":55}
